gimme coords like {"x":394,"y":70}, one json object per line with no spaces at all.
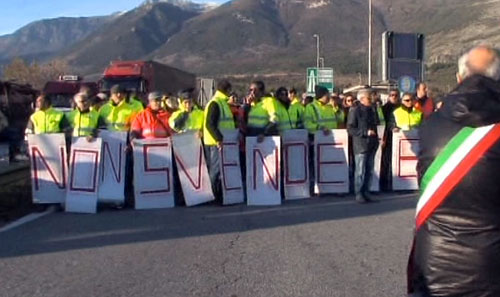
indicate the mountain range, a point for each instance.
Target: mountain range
{"x":255,"y":36}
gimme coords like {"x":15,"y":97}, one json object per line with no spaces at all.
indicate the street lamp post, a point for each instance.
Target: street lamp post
{"x":370,"y":42}
{"x":322,"y":62}
{"x":317,"y":49}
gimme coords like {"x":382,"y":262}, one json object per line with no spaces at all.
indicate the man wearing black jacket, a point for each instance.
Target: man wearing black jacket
{"x":386,"y":167}
{"x":457,"y":241}
{"x":362,"y":126}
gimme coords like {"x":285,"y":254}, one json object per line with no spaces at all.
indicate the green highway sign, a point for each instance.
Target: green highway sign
{"x":319,"y":76}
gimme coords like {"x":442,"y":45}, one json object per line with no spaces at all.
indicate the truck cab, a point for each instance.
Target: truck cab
{"x":62,"y":91}
{"x":134,"y":76}
{"x":141,"y":77}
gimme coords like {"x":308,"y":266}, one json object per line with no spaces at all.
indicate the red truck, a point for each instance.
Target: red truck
{"x":142,"y":77}
{"x":62,"y":91}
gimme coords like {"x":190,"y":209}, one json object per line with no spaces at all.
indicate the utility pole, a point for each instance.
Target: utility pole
{"x":317,"y":49}
{"x":370,"y":42}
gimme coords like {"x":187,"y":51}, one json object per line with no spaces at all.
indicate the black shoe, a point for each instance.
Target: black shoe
{"x":369,"y":198}
{"x":117,"y":205}
{"x":361,"y":199}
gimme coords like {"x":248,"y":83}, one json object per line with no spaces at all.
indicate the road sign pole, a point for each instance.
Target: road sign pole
{"x":370,"y":43}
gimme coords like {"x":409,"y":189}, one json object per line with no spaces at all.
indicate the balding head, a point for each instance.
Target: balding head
{"x":482,"y":60}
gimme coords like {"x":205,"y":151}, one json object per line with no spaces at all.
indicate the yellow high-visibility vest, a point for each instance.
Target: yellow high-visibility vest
{"x":296,"y":113}
{"x":83,"y":124}
{"x":47,"y":121}
{"x":226,"y":119}
{"x":118,"y":117}
{"x":278,"y":114}
{"x":258,"y":117}
{"x":407,"y":120}
{"x":339,"y":113}
{"x":380,"y":114}
{"x":194,"y":121}
{"x":319,"y":115}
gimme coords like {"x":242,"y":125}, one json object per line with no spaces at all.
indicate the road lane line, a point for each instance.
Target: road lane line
{"x":27,"y":218}
{"x":284,"y":208}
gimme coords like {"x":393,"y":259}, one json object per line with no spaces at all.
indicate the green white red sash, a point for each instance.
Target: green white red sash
{"x":457,"y":158}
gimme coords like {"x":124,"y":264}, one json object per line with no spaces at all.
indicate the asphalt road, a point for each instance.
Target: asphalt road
{"x":319,"y":247}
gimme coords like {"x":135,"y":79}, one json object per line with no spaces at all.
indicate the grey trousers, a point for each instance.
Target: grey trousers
{"x":213,"y":164}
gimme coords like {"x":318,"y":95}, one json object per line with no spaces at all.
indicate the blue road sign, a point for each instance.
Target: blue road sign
{"x":406,"y":84}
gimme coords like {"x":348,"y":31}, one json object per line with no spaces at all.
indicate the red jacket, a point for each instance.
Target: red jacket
{"x":425,"y":105}
{"x":149,"y":124}
{"x":239,"y":116}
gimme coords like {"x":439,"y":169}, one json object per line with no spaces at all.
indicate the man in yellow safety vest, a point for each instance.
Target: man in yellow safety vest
{"x":406,"y":116}
{"x":189,"y":117}
{"x":319,"y":114}
{"x":46,"y":119}
{"x":217,"y":118}
{"x":83,"y":120}
{"x":296,"y":109}
{"x":119,"y":112}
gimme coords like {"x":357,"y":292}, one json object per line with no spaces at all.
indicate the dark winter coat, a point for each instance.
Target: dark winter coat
{"x":361,"y":119}
{"x":457,"y":250}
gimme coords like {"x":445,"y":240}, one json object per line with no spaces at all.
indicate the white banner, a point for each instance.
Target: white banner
{"x":153,"y":186}
{"x":112,"y":178}
{"x":230,"y":168}
{"x":296,"y":164}
{"x":331,"y":162}
{"x":192,"y":169}
{"x":48,"y":167}
{"x":84,"y":167}
{"x":263,"y":171}
{"x":375,"y":183}
{"x":405,"y":147}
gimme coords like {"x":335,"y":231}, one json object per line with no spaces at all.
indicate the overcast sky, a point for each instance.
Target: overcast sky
{"x":18,"y":13}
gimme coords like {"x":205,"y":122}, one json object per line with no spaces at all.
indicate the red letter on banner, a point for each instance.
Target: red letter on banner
{"x":95,"y":155}
{"x":331,"y":163}
{"x":115,"y":168}
{"x":266,"y":172}
{"x":229,"y":164}
{"x":145,"y":151}
{"x":61,"y":184}
{"x":197,"y":185}
{"x":289,"y":181}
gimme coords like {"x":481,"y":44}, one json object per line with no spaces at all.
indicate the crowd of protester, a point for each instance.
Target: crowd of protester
{"x":259,"y":113}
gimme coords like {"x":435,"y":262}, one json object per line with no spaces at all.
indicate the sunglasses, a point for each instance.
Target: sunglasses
{"x":407,"y":100}
{"x":393,"y":95}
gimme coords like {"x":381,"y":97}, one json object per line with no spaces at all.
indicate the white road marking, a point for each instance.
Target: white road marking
{"x":27,"y":218}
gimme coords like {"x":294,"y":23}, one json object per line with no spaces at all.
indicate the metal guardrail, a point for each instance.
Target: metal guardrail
{"x":14,"y":172}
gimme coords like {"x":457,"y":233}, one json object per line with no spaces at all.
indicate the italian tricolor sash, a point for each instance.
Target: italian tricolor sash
{"x":452,"y":164}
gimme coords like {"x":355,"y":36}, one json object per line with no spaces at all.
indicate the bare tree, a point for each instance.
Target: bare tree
{"x":34,"y":74}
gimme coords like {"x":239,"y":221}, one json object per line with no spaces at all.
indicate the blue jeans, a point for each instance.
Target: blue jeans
{"x":363,"y":171}
{"x":213,"y":164}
